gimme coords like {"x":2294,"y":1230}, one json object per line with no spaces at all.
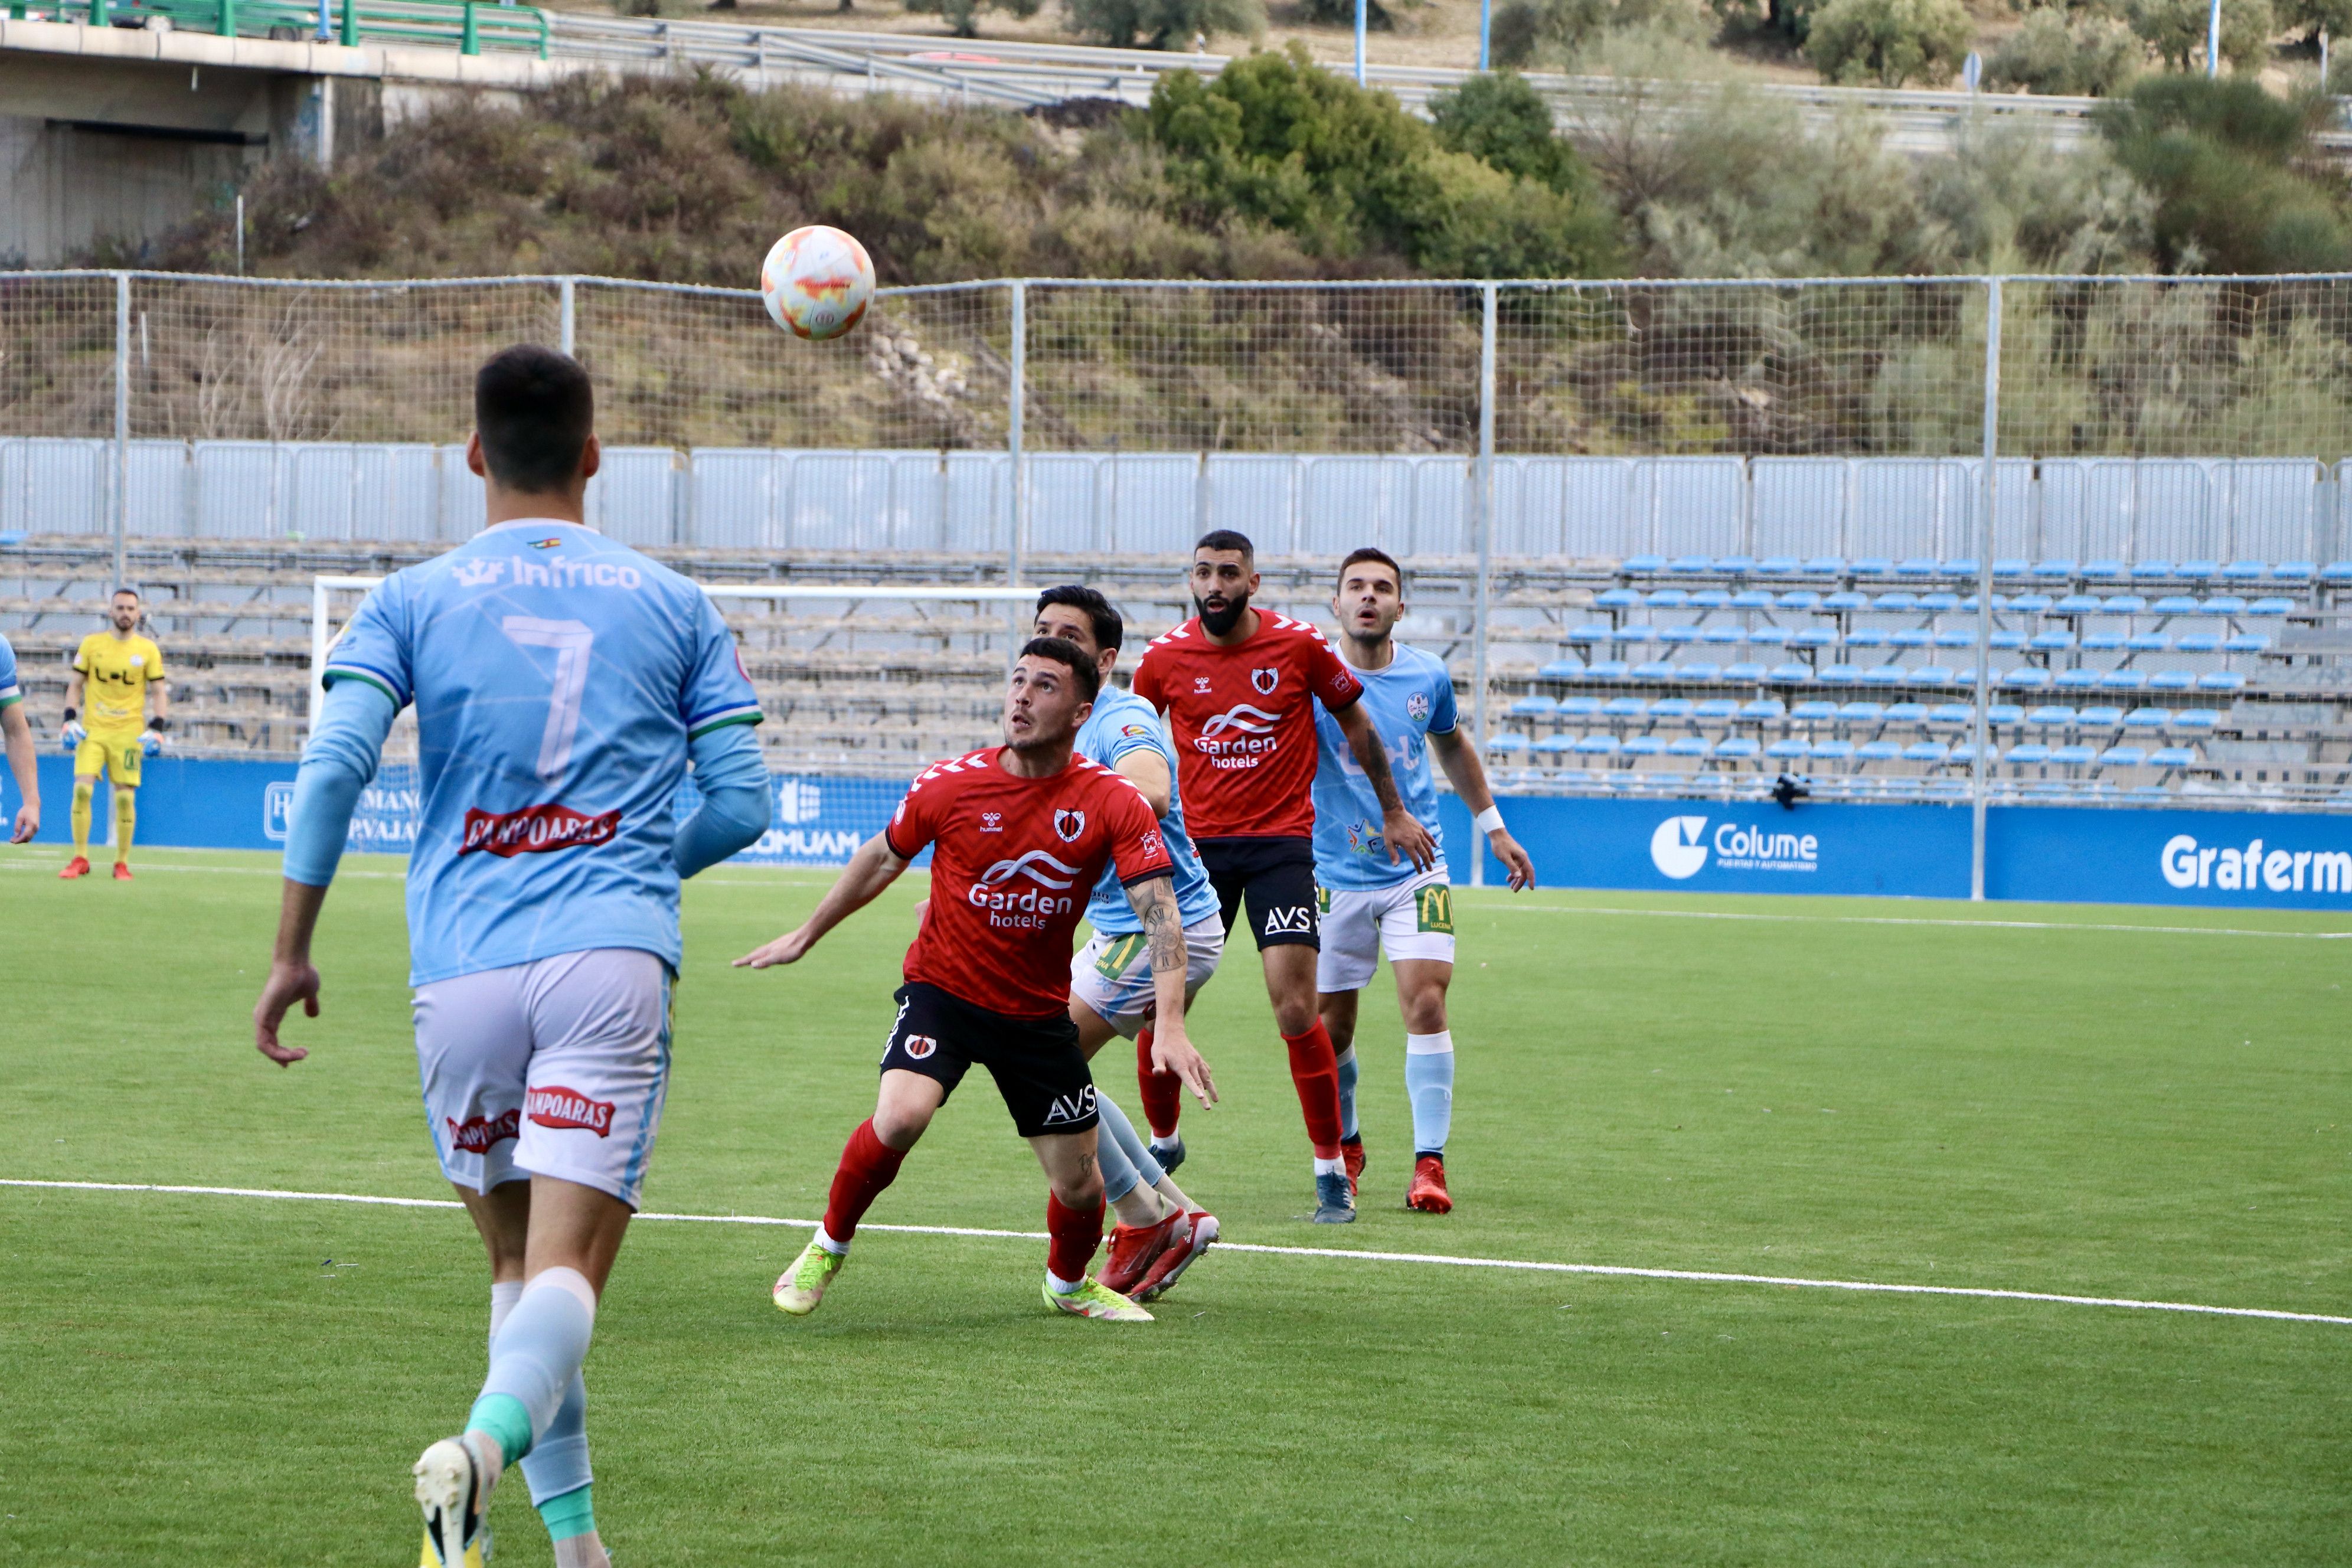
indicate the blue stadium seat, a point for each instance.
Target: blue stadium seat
{"x":1607,"y":669}
{"x":1885,"y":675}
{"x":1895,"y":603}
{"x":1677,"y":637}
{"x":1777,"y":566}
{"x":2198,"y":642}
{"x":1833,"y":750}
{"x":1915,"y":566}
{"x":2079,"y":605}
{"x":1672,"y":708}
{"x":2106,"y":718}
{"x":1931,"y":751}
{"x":2057,"y":717}
{"x":1907,"y":712}
{"x":1715,"y":709}
{"x":2023,"y":604}
{"x":1878,"y":751}
{"x":2076,"y":681}
{"x":1939,"y":603}
{"x":1952,"y":713}
{"x":1633,"y":633}
{"x":2104,"y":571}
{"x":1616,"y":599}
{"x":2270,"y":606}
{"x":1588,"y":633}
{"x":1511,"y":742}
{"x":1789,"y":751}
{"x":2222,"y":680}
{"x":2173,"y":757}
{"x":2243,"y":572}
{"x":1873,"y":566}
{"x":1814,"y":711}
{"x":2228,"y":604}
{"x":1790,"y":674}
{"x":2124,"y":604}
{"x":1667,"y":598}
{"x":2172,"y":680}
{"x":1910,"y":637}
{"x":1734,"y":565}
{"x":2073,"y":756}
{"x":2102,"y":642}
{"x":1645,"y":564}
{"x":1597,"y":746}
{"x":1842,"y":675}
{"x":1652,"y":670}
{"x":2011,"y":566}
{"x":2143,"y":570}
{"x":1846,"y":599}
{"x":2198,"y":571}
{"x":2148,"y":719}
{"x":1580,"y":707}
{"x":1709,"y":599}
{"x":1965,"y":756}
{"x":2122,"y":757}
{"x":2292,"y":572}
{"x":2029,"y":754}
{"x":2008,"y":714}
{"x":1798,"y":599}
{"x":1700,"y":669}
{"x":1644,"y":746}
{"x":1690,"y":564}
{"x":1724,"y":635}
{"x":2248,"y":642}
{"x":2008,"y":640}
{"x":2122,"y":679}
{"x":1825,"y":566}
{"x":1813,"y":638}
{"x":1624,"y":708}
{"x":1963,"y":566}
{"x":1866,"y":637}
{"x":1555,"y":745}
{"x":1956,"y":636}
{"x":2148,"y":642}
{"x":1745,"y":673}
{"x":2196,"y":720}
{"x":2054,"y":568}
{"x":1561,"y":669}
{"x":2336,"y":572}
{"x":1752,"y":599}
{"x":2177,"y":605}
{"x":1768,"y":637}
{"x":2051,"y":641}
{"x":1932,"y":675}
{"x":1861,"y":713}
{"x":1763,"y":709}
{"x":1534,"y":707}
{"x":2027,"y":677}
{"x":1689,"y":746}
{"x":1737,"y":749}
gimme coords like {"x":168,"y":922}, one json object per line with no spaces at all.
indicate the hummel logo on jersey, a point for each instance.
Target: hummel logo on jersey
{"x":536,"y":830}
{"x":555,"y":1106}
{"x":1026,"y":866}
{"x":1201,"y":686}
{"x":1069,"y":824}
{"x":1266,"y":680}
{"x":1071,"y":1107}
{"x":478,"y":574}
{"x":991,"y":821}
{"x":1298,"y":919}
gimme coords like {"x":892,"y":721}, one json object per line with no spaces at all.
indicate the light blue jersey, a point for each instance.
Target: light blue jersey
{"x":10,"y":692}
{"x":557,"y":678}
{"x":1408,"y":701}
{"x":1121,"y":722}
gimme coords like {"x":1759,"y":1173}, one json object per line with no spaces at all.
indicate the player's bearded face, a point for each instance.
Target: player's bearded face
{"x":1221,"y":610}
{"x":125,"y":614}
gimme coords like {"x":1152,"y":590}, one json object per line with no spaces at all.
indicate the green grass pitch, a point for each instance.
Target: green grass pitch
{"x":2149,"y":1113}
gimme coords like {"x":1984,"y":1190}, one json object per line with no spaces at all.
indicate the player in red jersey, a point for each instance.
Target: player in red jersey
{"x":1239,"y":687}
{"x":1021,"y":833}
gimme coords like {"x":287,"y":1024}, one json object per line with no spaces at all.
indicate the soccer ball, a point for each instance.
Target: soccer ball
{"x":817,"y":282}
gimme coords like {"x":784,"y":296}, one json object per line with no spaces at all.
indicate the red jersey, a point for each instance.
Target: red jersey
{"x":1244,"y":723}
{"x":1016,"y":861}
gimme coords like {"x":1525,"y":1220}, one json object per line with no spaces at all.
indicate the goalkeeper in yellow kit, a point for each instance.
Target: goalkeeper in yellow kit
{"x":116,"y":670}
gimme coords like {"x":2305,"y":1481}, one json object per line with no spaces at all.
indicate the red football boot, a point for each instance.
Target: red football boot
{"x":1352,"y":1150}
{"x":1200,"y":1232}
{"x":1134,"y":1248}
{"x":122,"y":870}
{"x":1428,"y":1192}
{"x":76,"y":866}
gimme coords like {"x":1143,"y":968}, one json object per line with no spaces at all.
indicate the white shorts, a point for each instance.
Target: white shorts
{"x":1412,"y":920}
{"x":556,"y":1067}
{"x":1112,"y":974}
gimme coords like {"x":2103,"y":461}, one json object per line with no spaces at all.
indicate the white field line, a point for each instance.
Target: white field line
{"x":1438,"y":1259}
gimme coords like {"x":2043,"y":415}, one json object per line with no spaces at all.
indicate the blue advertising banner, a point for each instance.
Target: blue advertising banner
{"x":1706,"y":846}
{"x":2240,"y":859}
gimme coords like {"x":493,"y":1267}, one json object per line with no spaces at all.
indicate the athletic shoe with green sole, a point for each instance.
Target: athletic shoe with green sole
{"x":800,"y":1287}
{"x":1093,"y":1299}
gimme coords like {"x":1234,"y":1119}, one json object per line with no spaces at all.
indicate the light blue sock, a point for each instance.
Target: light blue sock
{"x":535,"y":1360}
{"x":1429,"y":1079}
{"x":556,"y":1464}
{"x":1348,"y":1131}
{"x":1122,"y":1133}
{"x":1119,"y":1172}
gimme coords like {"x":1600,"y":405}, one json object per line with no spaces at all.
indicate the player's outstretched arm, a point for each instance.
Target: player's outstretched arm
{"x":1147,"y":770}
{"x":1398,"y":826}
{"x":291,"y":978}
{"x":1469,"y":778}
{"x":1154,"y":903}
{"x":18,"y":734}
{"x":870,"y":870}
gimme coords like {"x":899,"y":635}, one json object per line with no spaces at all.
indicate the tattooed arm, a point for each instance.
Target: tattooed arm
{"x":1154,"y":903}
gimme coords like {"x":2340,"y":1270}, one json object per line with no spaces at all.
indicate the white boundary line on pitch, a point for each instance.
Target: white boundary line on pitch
{"x":1603,"y":1270}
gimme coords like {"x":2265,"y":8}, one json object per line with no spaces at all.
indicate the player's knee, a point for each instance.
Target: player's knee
{"x":1294,"y":1015}
{"x":1079,"y":1189}
{"x":1424,"y":1010}
{"x":83,"y":789}
{"x":901,"y":1126}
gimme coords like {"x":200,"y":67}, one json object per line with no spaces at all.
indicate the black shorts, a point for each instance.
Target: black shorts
{"x":1278,"y":876}
{"x":1036,"y":1062}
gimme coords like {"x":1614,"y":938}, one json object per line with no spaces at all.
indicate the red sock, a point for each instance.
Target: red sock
{"x":1162,"y":1092}
{"x":1075,"y":1234}
{"x":868,"y":1166}
{"x":1315,"y":1073}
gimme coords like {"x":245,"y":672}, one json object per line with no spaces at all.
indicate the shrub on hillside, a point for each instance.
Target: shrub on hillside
{"x":962,"y":17}
{"x":1501,"y":120}
{"x":2176,"y":30}
{"x":2228,"y":165}
{"x":1162,"y":24}
{"x":2314,"y":17}
{"x":2086,"y":56}
{"x":1890,"y":42}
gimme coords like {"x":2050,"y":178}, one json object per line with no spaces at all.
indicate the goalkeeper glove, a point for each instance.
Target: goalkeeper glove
{"x":153,"y":741}
{"x":73,"y":734}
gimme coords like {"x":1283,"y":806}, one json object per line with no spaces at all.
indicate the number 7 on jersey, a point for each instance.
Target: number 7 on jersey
{"x":571,"y":641}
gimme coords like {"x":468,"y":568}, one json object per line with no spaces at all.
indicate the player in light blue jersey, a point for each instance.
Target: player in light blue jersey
{"x":563,"y":685}
{"x":1160,"y":1231}
{"x":1372,"y":904}
{"x":18,"y":736}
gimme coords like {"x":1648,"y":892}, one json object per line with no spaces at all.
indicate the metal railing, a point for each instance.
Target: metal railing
{"x":468,"y":26}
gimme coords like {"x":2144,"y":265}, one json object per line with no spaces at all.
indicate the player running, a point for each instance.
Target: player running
{"x":117,"y":668}
{"x":1237,"y":686}
{"x":18,"y":737}
{"x":1017,"y":830}
{"x":1371,"y":903}
{"x":562,"y":684}
{"x":1160,"y":1232}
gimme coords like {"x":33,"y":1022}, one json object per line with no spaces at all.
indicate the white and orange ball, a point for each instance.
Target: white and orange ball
{"x":817,"y":282}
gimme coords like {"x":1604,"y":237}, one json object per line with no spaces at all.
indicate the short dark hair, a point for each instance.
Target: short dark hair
{"x":1226,"y":539}
{"x":533,"y":408}
{"x":1110,"y":630}
{"x":1368,"y":553}
{"x":126,"y":588}
{"x":1062,"y":650}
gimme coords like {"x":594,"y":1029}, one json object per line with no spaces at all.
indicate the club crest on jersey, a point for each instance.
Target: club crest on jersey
{"x":478,"y":574}
{"x":536,"y":830}
{"x":991,"y":821}
{"x":1069,"y":824}
{"x":1417,"y":705}
{"x":1266,"y":680}
{"x":920,"y":1045}
{"x":555,"y":1106}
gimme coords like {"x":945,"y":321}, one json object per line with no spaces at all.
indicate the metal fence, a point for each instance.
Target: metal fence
{"x":2131,"y":423}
